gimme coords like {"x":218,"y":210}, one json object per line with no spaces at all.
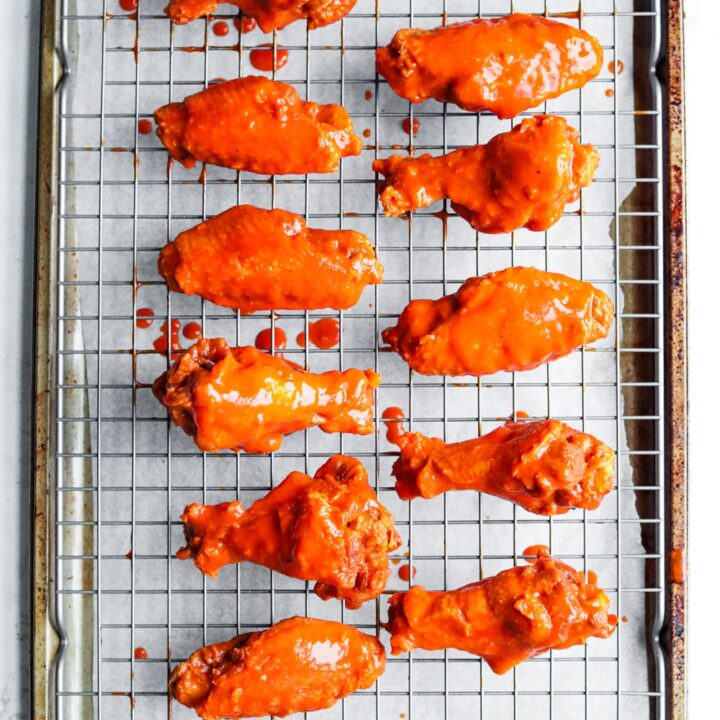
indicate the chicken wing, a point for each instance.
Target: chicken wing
{"x":521,"y":178}
{"x":330,"y":528}
{"x":270,"y":14}
{"x":513,"y":319}
{"x":546,"y":467}
{"x":297,"y":665}
{"x":243,"y":399}
{"x":259,"y":125}
{"x":505,"y":65}
{"x":251,"y":259}
{"x":515,"y":615}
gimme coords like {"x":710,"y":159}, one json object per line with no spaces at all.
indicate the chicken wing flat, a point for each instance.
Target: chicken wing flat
{"x":297,"y":665}
{"x":513,"y":319}
{"x":545,"y":467}
{"x":243,"y":399}
{"x":515,"y":615}
{"x":270,"y":14}
{"x":505,"y":65}
{"x":259,"y":125}
{"x":521,"y":178}
{"x":251,"y":259}
{"x":330,"y":528}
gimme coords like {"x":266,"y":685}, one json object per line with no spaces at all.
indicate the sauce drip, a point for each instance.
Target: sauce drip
{"x":521,"y":415}
{"x":535,"y":552}
{"x":221,"y":29}
{"x":140,"y":653}
{"x":677,"y":566}
{"x":616,"y":63}
{"x":144,"y":126}
{"x":324,"y":334}
{"x":161,"y":344}
{"x":129,"y":554}
{"x":144,"y":317}
{"x":244,"y":25}
{"x":368,"y":95}
{"x":609,"y":92}
{"x":217,"y":81}
{"x":367,"y":133}
{"x":264,"y":58}
{"x":592,"y":577}
{"x":128,"y":5}
{"x":415,"y":126}
{"x":263,"y":340}
{"x":192,"y":331}
{"x":393,"y":417}
{"x":404,"y":572}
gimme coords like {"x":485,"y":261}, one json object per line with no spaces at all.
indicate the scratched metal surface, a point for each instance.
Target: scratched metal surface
{"x":123,"y":474}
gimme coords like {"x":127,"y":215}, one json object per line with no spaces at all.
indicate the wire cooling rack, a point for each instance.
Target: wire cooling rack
{"x":123,"y":474}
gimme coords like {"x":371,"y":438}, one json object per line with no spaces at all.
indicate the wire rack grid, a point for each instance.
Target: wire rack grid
{"x":124,"y":474}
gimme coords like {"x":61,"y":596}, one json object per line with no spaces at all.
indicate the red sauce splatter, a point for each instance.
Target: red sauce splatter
{"x":393,"y":417}
{"x":592,"y":577}
{"x":141,"y":653}
{"x":677,"y":566}
{"x":367,"y":133}
{"x":264,"y":58}
{"x":129,"y":554}
{"x":609,"y":92}
{"x":415,"y":126}
{"x":616,"y":63}
{"x":161,"y":343}
{"x":612,"y":619}
{"x":404,"y":572}
{"x":203,"y":175}
{"x":324,"y":334}
{"x":221,"y":29}
{"x":624,"y":618}
{"x":368,"y":95}
{"x":245,"y":25}
{"x":144,"y":126}
{"x":192,"y":331}
{"x":536,"y":551}
{"x":263,"y":340}
{"x":144,"y":317}
{"x":128,"y":5}
{"x":521,"y":415}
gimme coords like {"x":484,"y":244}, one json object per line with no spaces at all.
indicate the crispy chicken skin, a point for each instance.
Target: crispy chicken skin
{"x":515,"y":615}
{"x":297,"y":665}
{"x":505,"y":65}
{"x":545,"y":467}
{"x":232,"y":260}
{"x":270,"y":14}
{"x":521,"y":178}
{"x":243,"y":399}
{"x":513,"y":319}
{"x":330,"y":528}
{"x":259,"y":125}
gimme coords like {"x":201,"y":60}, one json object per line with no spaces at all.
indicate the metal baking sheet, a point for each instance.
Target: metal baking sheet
{"x":113,"y":475}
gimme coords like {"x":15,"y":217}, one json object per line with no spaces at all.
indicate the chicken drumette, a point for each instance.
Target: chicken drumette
{"x":513,"y":319}
{"x":243,"y":399}
{"x":505,"y":65}
{"x":545,"y":466}
{"x":298,"y":665}
{"x":515,"y":615}
{"x":232,"y":260}
{"x":521,"y":178}
{"x":330,"y":528}
{"x":259,"y":125}
{"x":270,"y":14}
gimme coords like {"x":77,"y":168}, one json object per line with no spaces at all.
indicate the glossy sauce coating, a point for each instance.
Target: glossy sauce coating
{"x":330,"y":529}
{"x":234,"y":258}
{"x":297,"y":665}
{"x":244,"y":399}
{"x":505,"y":619}
{"x":545,"y":467}
{"x":270,"y":14}
{"x":513,"y":319}
{"x":505,"y":65}
{"x":521,"y":178}
{"x":267,"y":59}
{"x":259,"y":125}
{"x":269,"y":339}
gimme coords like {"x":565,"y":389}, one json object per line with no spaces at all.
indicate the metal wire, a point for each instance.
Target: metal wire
{"x":124,"y":473}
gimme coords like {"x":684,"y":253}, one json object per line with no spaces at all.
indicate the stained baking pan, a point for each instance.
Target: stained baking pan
{"x":112,"y":475}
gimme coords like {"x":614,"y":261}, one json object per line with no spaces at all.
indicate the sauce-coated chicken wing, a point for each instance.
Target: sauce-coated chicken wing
{"x":330,"y":528}
{"x":513,"y":319}
{"x":505,"y":619}
{"x":505,"y":65}
{"x":243,"y":399}
{"x":297,"y":665}
{"x":251,"y":259}
{"x":270,"y":14}
{"x":545,"y":466}
{"x":259,"y":125}
{"x":521,"y":178}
